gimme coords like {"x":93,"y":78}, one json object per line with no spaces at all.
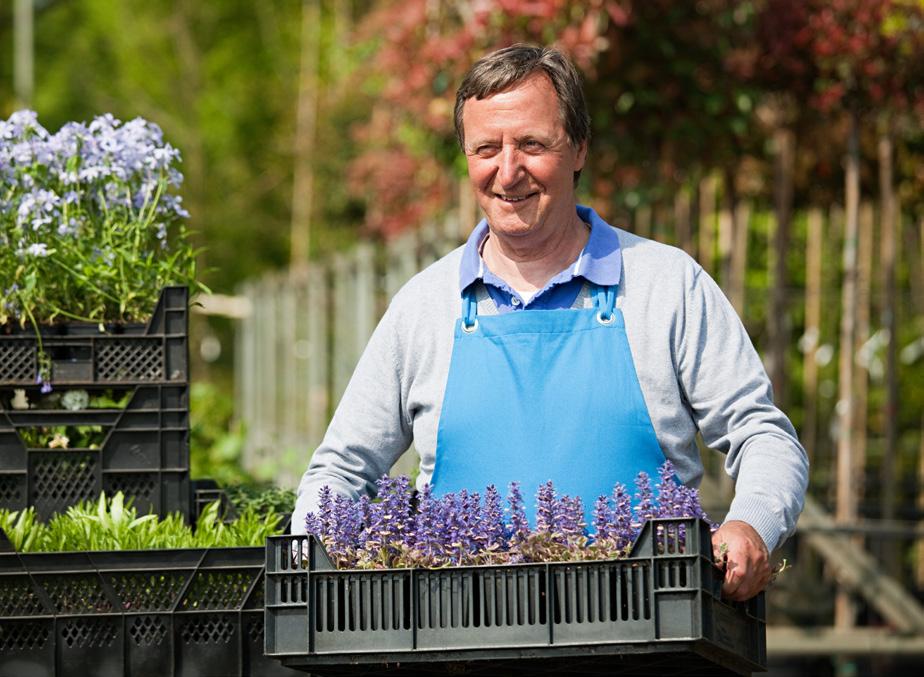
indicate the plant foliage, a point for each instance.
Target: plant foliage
{"x":91,"y":226}
{"x":114,"y":524}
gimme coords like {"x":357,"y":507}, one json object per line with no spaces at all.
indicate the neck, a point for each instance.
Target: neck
{"x":527,"y":263}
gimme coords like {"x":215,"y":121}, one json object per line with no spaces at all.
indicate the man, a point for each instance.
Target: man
{"x":554,"y":346}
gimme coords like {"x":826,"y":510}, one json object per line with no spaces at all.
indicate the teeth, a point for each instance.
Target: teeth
{"x":511,"y":198}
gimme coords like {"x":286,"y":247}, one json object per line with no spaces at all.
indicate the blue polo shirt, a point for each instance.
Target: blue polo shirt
{"x":600,"y":262}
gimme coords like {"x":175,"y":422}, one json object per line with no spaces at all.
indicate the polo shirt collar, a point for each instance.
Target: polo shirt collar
{"x":600,"y":262}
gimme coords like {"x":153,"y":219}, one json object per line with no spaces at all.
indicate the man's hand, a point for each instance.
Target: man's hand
{"x":740,"y":552}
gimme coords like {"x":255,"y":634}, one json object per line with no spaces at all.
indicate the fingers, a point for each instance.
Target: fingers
{"x":745,"y":576}
{"x":741,"y":553}
{"x":742,"y":582}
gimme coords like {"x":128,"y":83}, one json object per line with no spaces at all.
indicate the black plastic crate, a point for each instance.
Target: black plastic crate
{"x":659,"y":611}
{"x":144,"y":453}
{"x":83,"y":354}
{"x":206,"y":491}
{"x":168,"y":613}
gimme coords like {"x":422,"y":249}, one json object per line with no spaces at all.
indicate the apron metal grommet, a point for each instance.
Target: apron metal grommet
{"x":603,"y":319}
{"x":469,"y":328}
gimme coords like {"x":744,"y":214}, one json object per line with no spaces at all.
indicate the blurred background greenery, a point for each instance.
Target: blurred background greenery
{"x":310,"y":126}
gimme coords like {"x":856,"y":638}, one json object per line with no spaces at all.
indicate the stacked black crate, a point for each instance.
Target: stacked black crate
{"x":140,"y":431}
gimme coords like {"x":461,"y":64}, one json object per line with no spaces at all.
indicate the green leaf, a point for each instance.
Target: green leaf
{"x":102,"y":513}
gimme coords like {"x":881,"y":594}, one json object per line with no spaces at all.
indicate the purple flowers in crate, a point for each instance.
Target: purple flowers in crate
{"x":464,"y":529}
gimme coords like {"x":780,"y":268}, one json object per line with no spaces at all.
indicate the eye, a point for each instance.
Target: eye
{"x":532,"y":146}
{"x":486,"y":150}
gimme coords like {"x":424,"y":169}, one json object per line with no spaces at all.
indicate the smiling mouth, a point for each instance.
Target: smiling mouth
{"x":513,"y":198}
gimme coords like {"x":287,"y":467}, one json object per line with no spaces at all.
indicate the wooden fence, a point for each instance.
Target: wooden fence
{"x":297,"y":349}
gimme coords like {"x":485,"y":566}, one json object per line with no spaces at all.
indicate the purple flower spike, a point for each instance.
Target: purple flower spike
{"x":312,"y":524}
{"x":602,"y":518}
{"x":428,"y":543}
{"x":545,"y":508}
{"x":568,"y":518}
{"x":622,"y":531}
{"x":667,"y":492}
{"x":326,"y":511}
{"x":645,"y":508}
{"x":345,"y":528}
{"x":519,"y":527}
{"x":474,"y":539}
{"x":493,"y":519}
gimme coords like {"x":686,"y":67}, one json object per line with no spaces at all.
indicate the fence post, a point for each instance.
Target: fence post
{"x":400,"y":262}
{"x":287,"y":394}
{"x":262,"y":437}
{"x":365,"y":294}
{"x":341,"y":358}
{"x":318,"y":350}
{"x":244,"y":362}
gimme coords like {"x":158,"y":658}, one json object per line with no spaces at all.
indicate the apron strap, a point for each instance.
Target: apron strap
{"x":469,"y":310}
{"x":605,"y":303}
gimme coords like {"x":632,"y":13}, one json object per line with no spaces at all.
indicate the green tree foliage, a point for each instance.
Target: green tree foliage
{"x":676,"y":89}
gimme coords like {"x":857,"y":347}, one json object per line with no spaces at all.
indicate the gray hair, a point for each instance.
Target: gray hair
{"x":503,"y":69}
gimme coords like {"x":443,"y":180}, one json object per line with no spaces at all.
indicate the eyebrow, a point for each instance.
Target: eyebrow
{"x":476,"y":143}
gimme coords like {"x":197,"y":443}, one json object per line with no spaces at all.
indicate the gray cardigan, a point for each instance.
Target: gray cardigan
{"x":697,"y":368}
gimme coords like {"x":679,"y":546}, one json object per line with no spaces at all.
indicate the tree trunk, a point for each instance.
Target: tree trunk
{"x":846,"y":513}
{"x":23,"y":52}
{"x":305,"y":136}
{"x":707,"y":223}
{"x":812,"y":335}
{"x":919,"y":569}
{"x":728,"y":231}
{"x":188,"y":90}
{"x":342,"y":37}
{"x":777,"y":318}
{"x":889,"y":323}
{"x":861,"y":337}
{"x":682,"y":226}
{"x":739,"y":258}
{"x":914,"y":248}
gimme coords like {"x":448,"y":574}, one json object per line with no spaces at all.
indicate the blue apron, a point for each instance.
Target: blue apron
{"x":540,"y":395}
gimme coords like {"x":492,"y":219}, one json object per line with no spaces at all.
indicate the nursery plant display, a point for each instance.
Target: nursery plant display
{"x":100,"y":590}
{"x":66,"y":446}
{"x":90,"y":221}
{"x":400,"y":529}
{"x":97,"y":269}
{"x":458,"y":582}
{"x":114,"y":524}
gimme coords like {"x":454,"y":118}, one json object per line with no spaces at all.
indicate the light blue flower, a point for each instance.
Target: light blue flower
{"x":68,"y":228}
{"x":38,"y":249}
{"x":22,"y":123}
{"x":23,"y":153}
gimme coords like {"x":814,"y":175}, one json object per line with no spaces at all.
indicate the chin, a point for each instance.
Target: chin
{"x":512,"y":229}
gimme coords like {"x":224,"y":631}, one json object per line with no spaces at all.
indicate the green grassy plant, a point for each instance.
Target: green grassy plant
{"x":113,"y":524}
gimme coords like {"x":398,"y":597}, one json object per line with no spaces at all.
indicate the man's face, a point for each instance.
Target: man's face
{"x":520,"y":161}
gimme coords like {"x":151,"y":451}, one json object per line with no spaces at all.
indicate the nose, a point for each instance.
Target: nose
{"x":510,"y":168}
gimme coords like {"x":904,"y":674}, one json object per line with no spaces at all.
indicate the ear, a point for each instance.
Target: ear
{"x":580,"y":156}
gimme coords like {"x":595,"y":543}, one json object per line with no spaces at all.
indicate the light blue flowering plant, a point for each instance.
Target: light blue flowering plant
{"x":91,"y":225}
